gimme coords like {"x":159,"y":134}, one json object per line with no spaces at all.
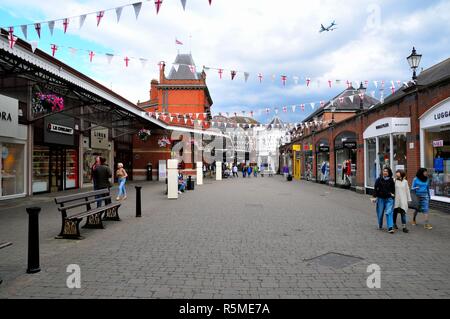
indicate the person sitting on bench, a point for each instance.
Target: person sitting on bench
{"x":181,"y":184}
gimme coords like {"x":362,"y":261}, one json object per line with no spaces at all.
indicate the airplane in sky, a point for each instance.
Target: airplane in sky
{"x":332,"y":27}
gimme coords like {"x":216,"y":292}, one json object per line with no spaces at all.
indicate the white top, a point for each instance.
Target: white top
{"x":402,"y":195}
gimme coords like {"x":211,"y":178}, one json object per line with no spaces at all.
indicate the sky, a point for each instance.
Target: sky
{"x":371,"y":42}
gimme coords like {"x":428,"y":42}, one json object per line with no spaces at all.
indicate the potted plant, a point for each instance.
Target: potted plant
{"x":144,"y":134}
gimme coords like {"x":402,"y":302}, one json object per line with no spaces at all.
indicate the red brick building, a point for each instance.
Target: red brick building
{"x":409,"y":130}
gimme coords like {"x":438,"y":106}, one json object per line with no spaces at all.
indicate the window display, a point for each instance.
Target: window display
{"x":384,"y":152}
{"x":346,"y":167}
{"x":323,"y":161}
{"x":437,"y":161}
{"x":41,"y":169}
{"x":371,"y":168}
{"x":399,"y":153}
{"x":12,"y":170}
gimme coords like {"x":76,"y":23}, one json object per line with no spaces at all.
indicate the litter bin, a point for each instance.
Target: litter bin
{"x":149,"y":172}
{"x":190,"y":184}
{"x":289,"y":178}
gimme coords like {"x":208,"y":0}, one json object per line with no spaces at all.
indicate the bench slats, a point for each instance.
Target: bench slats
{"x":5,"y":244}
{"x":92,"y":211}
{"x":82,"y":203}
{"x":71,"y":198}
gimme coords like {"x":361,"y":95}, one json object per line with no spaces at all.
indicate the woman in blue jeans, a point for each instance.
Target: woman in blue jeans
{"x":122,"y":179}
{"x":384,"y":197}
{"x":422,"y":190}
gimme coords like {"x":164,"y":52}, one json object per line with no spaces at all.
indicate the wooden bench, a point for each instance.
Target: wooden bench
{"x":70,"y":223}
{"x":4,"y":245}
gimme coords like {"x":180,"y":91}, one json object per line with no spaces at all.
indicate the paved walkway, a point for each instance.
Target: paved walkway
{"x":244,"y":238}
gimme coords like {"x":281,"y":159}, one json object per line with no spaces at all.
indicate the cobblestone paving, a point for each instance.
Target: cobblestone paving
{"x":244,"y":238}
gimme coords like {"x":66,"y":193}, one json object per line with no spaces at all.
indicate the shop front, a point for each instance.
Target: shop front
{"x":97,"y":144}
{"x":55,"y":155}
{"x":385,"y":145}
{"x":308,"y":161}
{"x":297,"y":151}
{"x":13,"y":146}
{"x":345,"y":147}
{"x":323,"y":161}
{"x":435,"y":149}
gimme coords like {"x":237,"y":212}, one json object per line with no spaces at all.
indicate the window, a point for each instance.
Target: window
{"x":12,"y":170}
{"x":371,"y":165}
{"x":384,"y":153}
{"x":399,"y":152}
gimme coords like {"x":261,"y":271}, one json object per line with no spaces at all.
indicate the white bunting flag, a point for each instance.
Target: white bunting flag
{"x":313,"y":105}
{"x":82,"y":19}
{"x":34,"y":45}
{"x":51,"y":26}
{"x":295,"y":78}
{"x":376,"y":84}
{"x":183,"y":3}
{"x":143,"y":62}
{"x":176,"y":67}
{"x":137,"y":8}
{"x":24,"y":30}
{"x":372,"y":94}
{"x":109,"y":57}
{"x":246,"y":75}
{"x":293,"y":108}
{"x":119,"y":13}
{"x":351,"y":97}
{"x":273,"y":77}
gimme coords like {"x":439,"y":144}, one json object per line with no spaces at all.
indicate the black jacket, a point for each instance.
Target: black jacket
{"x":102,"y":173}
{"x":384,"y":188}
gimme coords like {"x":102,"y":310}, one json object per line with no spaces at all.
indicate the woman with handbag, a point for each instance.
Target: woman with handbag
{"x":384,"y":198}
{"x":402,"y":197}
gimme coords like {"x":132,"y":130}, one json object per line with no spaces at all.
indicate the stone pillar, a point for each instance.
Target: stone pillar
{"x":172,"y":179}
{"x":218,"y":171}
{"x":199,"y":173}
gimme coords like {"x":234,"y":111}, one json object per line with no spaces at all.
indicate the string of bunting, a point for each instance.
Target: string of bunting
{"x":99,"y":15}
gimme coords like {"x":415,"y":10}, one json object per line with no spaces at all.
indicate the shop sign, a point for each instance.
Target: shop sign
{"x":350,"y":145}
{"x":439,"y":143}
{"x":162,"y":170}
{"x":60,"y":129}
{"x":388,"y":126}
{"x":99,"y":138}
{"x":324,"y":149}
{"x":296,"y":147}
{"x":9,"y":116}
{"x":439,"y":115}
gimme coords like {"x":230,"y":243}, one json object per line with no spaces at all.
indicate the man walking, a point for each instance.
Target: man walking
{"x":101,"y":175}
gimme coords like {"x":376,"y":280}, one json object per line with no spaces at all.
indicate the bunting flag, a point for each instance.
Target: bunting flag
{"x":361,"y":96}
{"x":366,"y":83}
{"x":372,"y":94}
{"x":12,"y":40}
{"x":322,"y":103}
{"x":73,"y":51}
{"x":246,"y":75}
{"x":51,"y":27}
{"x":24,"y":30}
{"x":127,"y":60}
{"x":137,"y":8}
{"x":119,"y":13}
{"x":220,"y":73}
{"x":393,"y":89}
{"x":176,"y":67}
{"x":65,"y":24}
{"x":273,"y":77}
{"x":284,"y":109}
{"x":209,"y":2}
{"x":382,"y":84}
{"x":11,"y":31}
{"x":37,"y":27}
{"x":100,"y":15}
{"x":313,"y":105}
{"x":34,"y":45}
{"x":54,"y":48}
{"x":109,"y":57}
{"x":276,"y":111}
{"x":341,"y":99}
{"x":351,"y":97}
{"x":183,"y":3}
{"x":283,"y":79}
{"x":158,"y":4}
{"x":295,"y":78}
{"x":233,"y":75}
{"x":308,"y":81}
{"x":260,"y":76}
{"x":91,"y":55}
{"x":143,"y":62}
{"x":329,"y":83}
{"x":376,"y":84}
{"x":302,"y":106}
{"x":82,"y":19}
{"x":192,"y":68}
{"x":293,"y":108}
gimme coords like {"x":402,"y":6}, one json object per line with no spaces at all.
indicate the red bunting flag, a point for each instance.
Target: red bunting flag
{"x":100,"y":15}
{"x":12,"y":40}
{"x":54,"y":48}
{"x":209,"y":2}
{"x":260,"y":76}
{"x":329,"y":83}
{"x":308,"y":82}
{"x":37,"y":27}
{"x":233,"y":75}
{"x":220,"y":73}
{"x":11,"y":31}
{"x":91,"y":55}
{"x":192,"y":68}
{"x":322,"y":103}
{"x":341,"y":99}
{"x":285,"y":109}
{"x":283,"y":79}
{"x":127,"y":59}
{"x":158,"y":4}
{"x":366,"y":83}
{"x":251,"y":113}
{"x":267,"y":110}
{"x":393,"y":90}
{"x":382,"y":84}
{"x":302,"y":107}
{"x":65,"y":24}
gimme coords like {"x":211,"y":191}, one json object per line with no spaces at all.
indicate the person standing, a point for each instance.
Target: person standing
{"x":422,"y":190}
{"x":235,"y":171}
{"x":244,"y":171}
{"x":249,"y":171}
{"x":402,"y":197}
{"x":122,"y":176}
{"x":255,"y":171}
{"x":96,"y":163}
{"x":102,"y":174}
{"x":384,"y":198}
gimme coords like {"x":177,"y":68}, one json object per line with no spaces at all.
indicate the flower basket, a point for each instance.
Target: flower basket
{"x":144,"y":134}
{"x":47,"y":103}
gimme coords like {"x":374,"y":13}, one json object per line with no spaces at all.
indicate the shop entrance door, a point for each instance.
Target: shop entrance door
{"x":57,"y":169}
{"x":297,"y":165}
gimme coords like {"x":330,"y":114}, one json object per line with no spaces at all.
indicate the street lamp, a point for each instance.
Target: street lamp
{"x":362,"y":92}
{"x":414,"y":61}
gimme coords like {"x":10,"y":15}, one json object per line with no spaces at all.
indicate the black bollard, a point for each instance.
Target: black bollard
{"x":138,"y":201}
{"x":33,"y":240}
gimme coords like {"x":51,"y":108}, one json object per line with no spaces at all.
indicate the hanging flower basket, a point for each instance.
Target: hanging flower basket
{"x":47,"y":103}
{"x":164,"y":141}
{"x":144,"y":134}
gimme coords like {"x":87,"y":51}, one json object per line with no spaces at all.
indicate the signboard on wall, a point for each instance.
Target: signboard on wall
{"x":9,"y":116}
{"x":388,"y":125}
{"x":59,"y":129}
{"x":99,"y":138}
{"x":162,"y":170}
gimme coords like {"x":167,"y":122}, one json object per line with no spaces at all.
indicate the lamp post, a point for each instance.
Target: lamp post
{"x":414,"y":61}
{"x":362,"y":92}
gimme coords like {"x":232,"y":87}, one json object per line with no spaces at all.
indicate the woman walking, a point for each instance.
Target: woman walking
{"x":122,"y":179}
{"x":422,"y":190}
{"x":402,"y":197}
{"x":384,"y":197}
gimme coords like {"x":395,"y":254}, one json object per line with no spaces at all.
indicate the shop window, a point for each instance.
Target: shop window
{"x":12,"y":172}
{"x":384,"y":153}
{"x":437,"y":161}
{"x":400,"y":159}
{"x":371,"y":156}
{"x":323,"y":167}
